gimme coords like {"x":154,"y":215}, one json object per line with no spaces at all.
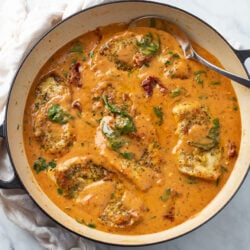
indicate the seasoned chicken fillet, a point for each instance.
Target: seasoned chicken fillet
{"x":120,"y":50}
{"x":73,"y":175}
{"x":111,"y":203}
{"x":201,"y":164}
{"x":50,"y":86}
{"x":123,"y":209}
{"x":95,"y":197}
{"x":54,"y":137}
{"x":98,"y":191}
{"x":134,"y":156}
{"x":189,"y":114}
{"x":52,"y":123}
{"x":198,"y":148}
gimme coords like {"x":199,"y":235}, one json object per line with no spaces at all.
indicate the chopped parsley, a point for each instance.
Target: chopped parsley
{"x":235,"y":107}
{"x":175,"y":92}
{"x":223,"y":169}
{"x":166,"y":195}
{"x":174,"y":55}
{"x":148,"y":46}
{"x":215,"y":83}
{"x":82,"y":221}
{"x":159,"y":114}
{"x":191,"y":180}
{"x":167,"y":63}
{"x":91,"y":225}
{"x":127,"y":155}
{"x":40,"y":165}
{"x":91,"y":54}
{"x":77,"y":47}
{"x":198,"y":76}
{"x":59,"y":191}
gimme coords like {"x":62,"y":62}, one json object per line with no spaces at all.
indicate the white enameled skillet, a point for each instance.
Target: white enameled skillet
{"x":233,"y":61}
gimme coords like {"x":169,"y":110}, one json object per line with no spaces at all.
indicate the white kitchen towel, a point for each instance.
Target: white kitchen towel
{"x":22,"y":23}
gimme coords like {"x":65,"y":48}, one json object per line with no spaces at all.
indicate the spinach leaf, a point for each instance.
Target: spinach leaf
{"x":116,"y":143}
{"x":113,"y":137}
{"x":124,"y":125}
{"x":58,"y":115}
{"x":113,"y":108}
{"x":211,"y":140}
{"x":214,"y":132}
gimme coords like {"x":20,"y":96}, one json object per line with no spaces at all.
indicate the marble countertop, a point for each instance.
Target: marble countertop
{"x":230,"y":229}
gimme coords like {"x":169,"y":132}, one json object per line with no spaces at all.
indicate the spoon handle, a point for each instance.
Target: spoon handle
{"x":236,"y":78}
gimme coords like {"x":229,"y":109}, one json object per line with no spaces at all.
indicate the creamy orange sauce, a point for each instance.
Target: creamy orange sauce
{"x":127,"y":108}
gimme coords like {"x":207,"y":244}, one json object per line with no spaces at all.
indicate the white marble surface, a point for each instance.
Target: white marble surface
{"x":230,"y":229}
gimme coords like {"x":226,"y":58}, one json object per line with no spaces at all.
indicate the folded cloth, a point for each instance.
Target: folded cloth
{"x":22,"y":23}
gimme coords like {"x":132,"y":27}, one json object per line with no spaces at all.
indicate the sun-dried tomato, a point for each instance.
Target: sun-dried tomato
{"x":75,"y":75}
{"x":149,"y":83}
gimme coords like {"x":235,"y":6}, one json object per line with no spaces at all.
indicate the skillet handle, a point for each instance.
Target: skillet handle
{"x":2,"y":131}
{"x":14,"y":182}
{"x":243,"y":54}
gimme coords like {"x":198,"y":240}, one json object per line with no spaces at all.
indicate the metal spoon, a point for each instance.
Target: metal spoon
{"x":162,"y":23}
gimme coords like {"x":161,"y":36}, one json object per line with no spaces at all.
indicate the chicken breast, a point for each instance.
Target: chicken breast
{"x":123,"y":209}
{"x":197,"y":149}
{"x":52,"y":126}
{"x":201,"y":164}
{"x":51,"y":85}
{"x":51,"y":120}
{"x":73,"y":175}
{"x":120,"y":50}
{"x":134,"y":156}
{"x":188,"y":114}
{"x":98,"y":191}
{"x":95,"y":197}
